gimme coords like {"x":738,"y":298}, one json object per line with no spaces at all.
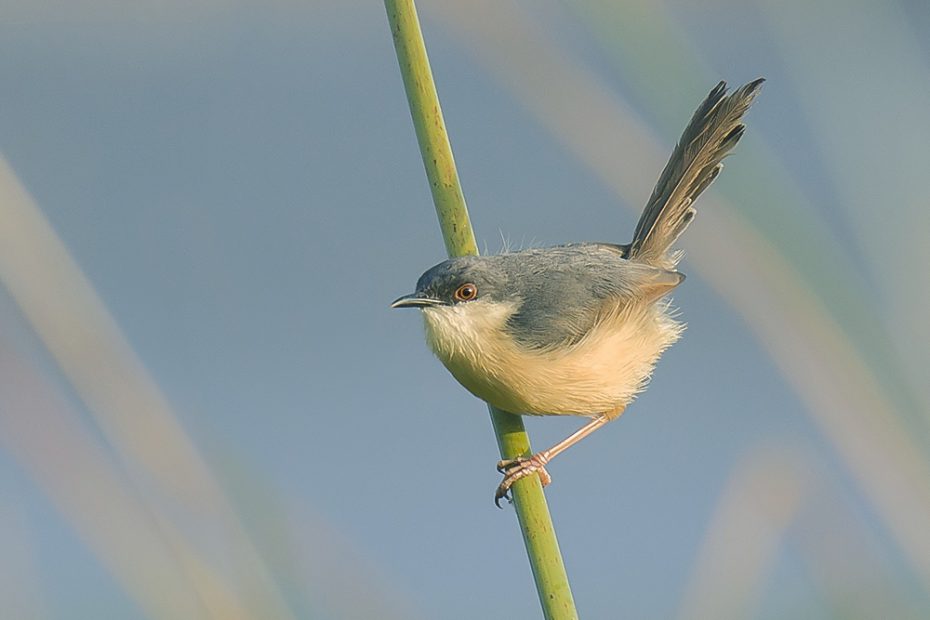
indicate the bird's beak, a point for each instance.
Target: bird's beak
{"x":412,"y":301}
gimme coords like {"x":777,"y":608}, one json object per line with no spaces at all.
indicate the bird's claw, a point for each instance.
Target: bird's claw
{"x":515,"y":469}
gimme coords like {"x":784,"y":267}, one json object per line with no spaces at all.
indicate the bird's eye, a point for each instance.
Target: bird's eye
{"x":466,"y":292}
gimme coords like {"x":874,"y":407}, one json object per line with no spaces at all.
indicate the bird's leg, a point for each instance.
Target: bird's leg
{"x":514,"y":469}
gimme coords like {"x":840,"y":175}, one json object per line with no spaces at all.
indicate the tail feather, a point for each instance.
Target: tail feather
{"x":714,"y":130}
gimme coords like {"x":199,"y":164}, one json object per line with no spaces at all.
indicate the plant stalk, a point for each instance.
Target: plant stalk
{"x":529,"y":501}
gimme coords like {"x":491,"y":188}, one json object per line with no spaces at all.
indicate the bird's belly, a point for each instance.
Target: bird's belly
{"x":600,"y":374}
{"x":588,"y":381}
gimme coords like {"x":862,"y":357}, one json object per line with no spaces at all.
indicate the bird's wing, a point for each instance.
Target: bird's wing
{"x":580,"y":285}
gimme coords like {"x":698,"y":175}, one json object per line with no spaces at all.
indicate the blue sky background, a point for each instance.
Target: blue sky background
{"x":240,"y":185}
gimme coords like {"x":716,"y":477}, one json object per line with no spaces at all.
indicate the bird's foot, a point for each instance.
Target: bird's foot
{"x":521,"y":467}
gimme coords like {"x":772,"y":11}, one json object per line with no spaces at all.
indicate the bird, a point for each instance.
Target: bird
{"x":577,"y":329}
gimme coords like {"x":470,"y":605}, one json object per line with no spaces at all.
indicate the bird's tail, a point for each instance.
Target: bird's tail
{"x":713,"y":131}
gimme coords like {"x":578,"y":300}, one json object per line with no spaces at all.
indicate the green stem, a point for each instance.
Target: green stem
{"x":532,"y":512}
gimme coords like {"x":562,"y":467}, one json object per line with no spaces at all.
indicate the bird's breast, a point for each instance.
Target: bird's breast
{"x":600,"y":373}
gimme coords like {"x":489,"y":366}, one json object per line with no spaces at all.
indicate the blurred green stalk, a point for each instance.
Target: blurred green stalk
{"x":535,"y":523}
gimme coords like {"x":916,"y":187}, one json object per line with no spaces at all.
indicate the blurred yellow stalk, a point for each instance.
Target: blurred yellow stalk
{"x":742,"y":541}
{"x":162,"y":463}
{"x":52,"y":445}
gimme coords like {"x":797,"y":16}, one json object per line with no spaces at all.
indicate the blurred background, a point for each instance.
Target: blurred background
{"x":207,"y":409}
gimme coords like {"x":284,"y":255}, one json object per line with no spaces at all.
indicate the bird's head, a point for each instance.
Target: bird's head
{"x":466,"y":303}
{"x":459,"y":281}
